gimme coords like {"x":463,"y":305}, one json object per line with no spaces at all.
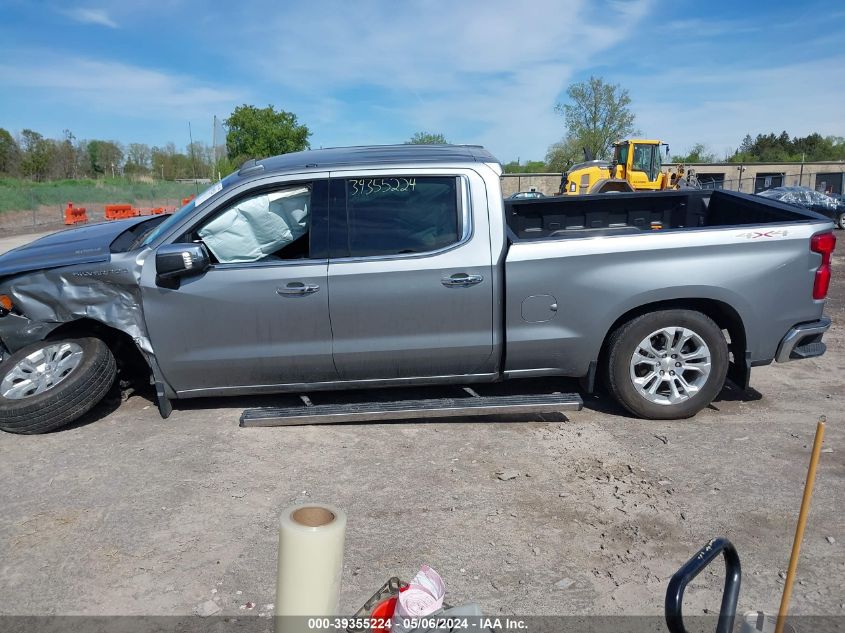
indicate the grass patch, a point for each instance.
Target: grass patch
{"x":24,"y":195}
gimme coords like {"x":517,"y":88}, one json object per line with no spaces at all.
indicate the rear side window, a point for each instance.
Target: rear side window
{"x":395,"y":215}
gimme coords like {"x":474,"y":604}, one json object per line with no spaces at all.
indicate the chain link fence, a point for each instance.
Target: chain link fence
{"x":29,"y":207}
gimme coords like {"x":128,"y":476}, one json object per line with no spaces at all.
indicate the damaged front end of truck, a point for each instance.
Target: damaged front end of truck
{"x":68,"y":286}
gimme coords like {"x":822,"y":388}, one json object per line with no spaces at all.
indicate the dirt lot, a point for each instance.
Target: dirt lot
{"x":131,"y":514}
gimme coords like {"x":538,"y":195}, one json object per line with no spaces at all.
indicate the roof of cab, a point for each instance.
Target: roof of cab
{"x":369,"y":155}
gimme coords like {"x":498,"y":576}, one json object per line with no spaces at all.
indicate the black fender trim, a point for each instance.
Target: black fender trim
{"x":588,"y":382}
{"x":739,"y":371}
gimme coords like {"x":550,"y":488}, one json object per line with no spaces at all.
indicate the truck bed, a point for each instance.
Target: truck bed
{"x":738,"y":257}
{"x":566,"y":217}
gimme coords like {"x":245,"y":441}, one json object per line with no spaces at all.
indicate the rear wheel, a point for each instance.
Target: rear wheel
{"x":667,"y":365}
{"x":52,"y":383}
{"x":842,"y":220}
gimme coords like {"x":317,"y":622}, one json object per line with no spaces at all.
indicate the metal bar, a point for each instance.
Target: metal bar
{"x":673,"y":606}
{"x":403,"y":410}
{"x":799,"y":528}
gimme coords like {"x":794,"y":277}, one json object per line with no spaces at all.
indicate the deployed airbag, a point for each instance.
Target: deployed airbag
{"x":258,"y":227}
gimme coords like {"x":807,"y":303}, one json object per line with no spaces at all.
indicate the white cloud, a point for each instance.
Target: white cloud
{"x":495,"y":68}
{"x":733,"y":101}
{"x":91,"y":16}
{"x":114,"y":88}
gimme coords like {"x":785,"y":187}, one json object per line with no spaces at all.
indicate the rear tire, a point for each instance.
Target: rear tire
{"x":52,"y":383}
{"x":667,"y":365}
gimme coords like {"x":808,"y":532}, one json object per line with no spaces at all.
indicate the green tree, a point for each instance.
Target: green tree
{"x":698,"y":153}
{"x":138,"y":159}
{"x":104,"y":157}
{"x":781,"y":148}
{"x":563,"y":154}
{"x":10,"y":153}
{"x":36,"y":155}
{"x":64,"y":159}
{"x":597,"y":114}
{"x":202,"y":159}
{"x":427,"y":138}
{"x":529,"y":167}
{"x":261,"y":132}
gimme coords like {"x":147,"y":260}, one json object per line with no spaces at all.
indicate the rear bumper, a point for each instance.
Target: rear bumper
{"x":803,"y":341}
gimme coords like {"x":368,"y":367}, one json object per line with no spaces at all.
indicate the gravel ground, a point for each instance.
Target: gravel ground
{"x":127,"y":513}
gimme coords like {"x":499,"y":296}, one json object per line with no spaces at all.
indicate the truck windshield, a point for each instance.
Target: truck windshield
{"x":165,"y":226}
{"x":177,"y":217}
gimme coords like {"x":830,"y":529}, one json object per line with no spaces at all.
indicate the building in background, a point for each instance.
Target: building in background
{"x":827,"y":177}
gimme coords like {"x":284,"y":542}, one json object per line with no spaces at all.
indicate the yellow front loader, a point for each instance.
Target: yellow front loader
{"x":636,"y":166}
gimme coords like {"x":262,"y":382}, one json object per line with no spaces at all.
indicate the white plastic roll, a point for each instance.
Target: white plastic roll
{"x":311,"y":537}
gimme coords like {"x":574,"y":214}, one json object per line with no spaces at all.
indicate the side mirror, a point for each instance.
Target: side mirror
{"x":174,"y":261}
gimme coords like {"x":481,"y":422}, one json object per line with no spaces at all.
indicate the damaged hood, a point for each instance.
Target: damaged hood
{"x":83,"y":245}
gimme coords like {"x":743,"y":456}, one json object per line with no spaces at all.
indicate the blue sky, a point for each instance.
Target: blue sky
{"x":486,"y":72}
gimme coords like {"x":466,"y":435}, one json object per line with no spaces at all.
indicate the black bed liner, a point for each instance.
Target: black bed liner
{"x":630,"y":213}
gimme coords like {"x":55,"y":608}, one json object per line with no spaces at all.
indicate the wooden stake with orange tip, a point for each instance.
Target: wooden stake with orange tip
{"x":799,"y":529}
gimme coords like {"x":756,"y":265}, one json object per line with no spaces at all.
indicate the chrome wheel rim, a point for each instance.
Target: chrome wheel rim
{"x":41,"y":370}
{"x":670,"y":365}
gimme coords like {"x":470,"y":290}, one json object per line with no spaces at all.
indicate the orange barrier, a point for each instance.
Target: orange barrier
{"x":75,"y":215}
{"x":121,"y":211}
{"x":155,"y":210}
{"x":187,"y":200}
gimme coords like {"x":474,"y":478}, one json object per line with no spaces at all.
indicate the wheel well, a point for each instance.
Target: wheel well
{"x":722,"y":314}
{"x":612,"y":186}
{"x":130,"y":360}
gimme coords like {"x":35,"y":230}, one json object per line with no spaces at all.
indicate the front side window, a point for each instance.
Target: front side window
{"x":273,"y":225}
{"x":395,"y":215}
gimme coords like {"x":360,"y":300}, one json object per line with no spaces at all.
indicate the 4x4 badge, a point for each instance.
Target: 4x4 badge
{"x":753,"y":235}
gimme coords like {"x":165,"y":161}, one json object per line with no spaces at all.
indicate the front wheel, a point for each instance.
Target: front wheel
{"x":53,"y":383}
{"x":667,"y":365}
{"x":842,"y":220}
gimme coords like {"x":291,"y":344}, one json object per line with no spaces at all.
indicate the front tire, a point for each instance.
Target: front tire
{"x":667,"y":365}
{"x":52,"y":383}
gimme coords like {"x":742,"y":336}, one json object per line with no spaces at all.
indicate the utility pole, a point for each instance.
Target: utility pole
{"x":214,"y":144}
{"x":801,"y":175}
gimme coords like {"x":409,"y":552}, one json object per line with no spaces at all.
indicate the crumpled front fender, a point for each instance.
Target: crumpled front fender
{"x":18,"y":331}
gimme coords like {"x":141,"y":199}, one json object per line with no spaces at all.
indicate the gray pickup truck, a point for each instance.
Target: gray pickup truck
{"x":403,"y":265}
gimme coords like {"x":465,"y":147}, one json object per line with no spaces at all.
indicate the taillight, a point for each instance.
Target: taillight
{"x":823,"y":244}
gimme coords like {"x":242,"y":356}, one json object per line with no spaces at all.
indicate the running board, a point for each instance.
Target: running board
{"x":405,"y":409}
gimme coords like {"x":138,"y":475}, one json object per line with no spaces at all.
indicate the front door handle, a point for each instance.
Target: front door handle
{"x":461,"y":280}
{"x":297,"y":289}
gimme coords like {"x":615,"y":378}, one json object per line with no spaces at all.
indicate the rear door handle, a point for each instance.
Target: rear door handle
{"x":461,"y":280}
{"x":297,"y":289}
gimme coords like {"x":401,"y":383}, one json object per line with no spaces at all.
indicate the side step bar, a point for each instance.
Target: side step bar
{"x":405,"y":409}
